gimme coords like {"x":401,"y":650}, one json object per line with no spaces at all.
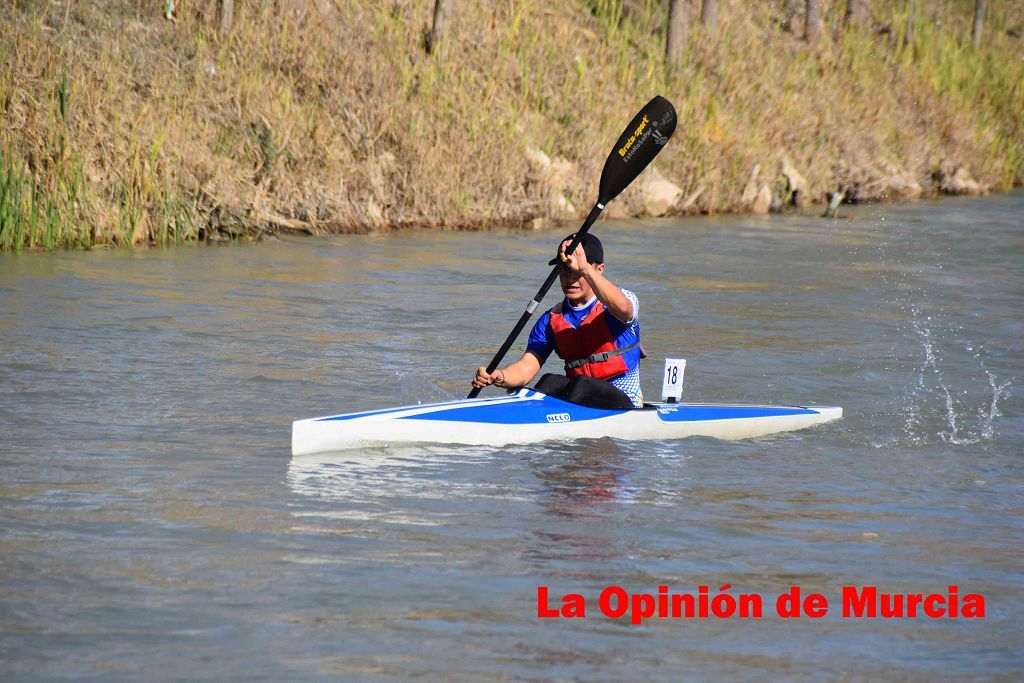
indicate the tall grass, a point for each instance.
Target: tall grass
{"x":118,"y":127}
{"x":38,"y":216}
{"x":986,"y":82}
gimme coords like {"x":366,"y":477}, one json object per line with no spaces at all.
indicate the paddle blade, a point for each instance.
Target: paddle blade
{"x":643,"y":138}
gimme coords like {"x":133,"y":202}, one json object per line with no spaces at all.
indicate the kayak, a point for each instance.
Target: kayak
{"x":528,"y":416}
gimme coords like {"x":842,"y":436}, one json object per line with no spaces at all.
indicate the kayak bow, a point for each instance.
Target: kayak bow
{"x":528,"y":416}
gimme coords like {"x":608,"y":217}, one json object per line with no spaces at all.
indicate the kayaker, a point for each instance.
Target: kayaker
{"x":594,"y":329}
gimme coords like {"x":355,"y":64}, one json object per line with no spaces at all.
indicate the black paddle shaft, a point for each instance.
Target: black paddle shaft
{"x":643,"y":138}
{"x":539,"y":296}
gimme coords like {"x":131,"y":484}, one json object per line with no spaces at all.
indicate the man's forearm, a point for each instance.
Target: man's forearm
{"x":611,"y":296}
{"x":519,"y":373}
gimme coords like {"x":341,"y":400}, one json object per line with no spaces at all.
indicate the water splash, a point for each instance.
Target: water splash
{"x":989,"y":415}
{"x":933,"y":397}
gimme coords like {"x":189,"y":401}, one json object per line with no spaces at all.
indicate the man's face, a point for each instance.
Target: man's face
{"x":575,"y":286}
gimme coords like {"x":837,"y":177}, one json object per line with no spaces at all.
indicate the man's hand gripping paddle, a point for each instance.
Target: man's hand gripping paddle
{"x":643,"y":138}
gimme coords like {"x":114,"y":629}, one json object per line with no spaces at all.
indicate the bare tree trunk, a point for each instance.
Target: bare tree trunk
{"x":227,"y":16}
{"x":812,"y":25}
{"x":678,"y":29}
{"x":709,"y":15}
{"x":858,"y":13}
{"x":438,"y":32}
{"x":979,"y":19}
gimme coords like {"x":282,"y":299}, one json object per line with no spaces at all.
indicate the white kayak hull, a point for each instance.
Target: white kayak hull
{"x":528,"y":416}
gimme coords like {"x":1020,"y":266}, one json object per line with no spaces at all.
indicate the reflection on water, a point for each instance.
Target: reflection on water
{"x":154,"y":526}
{"x":589,"y":475}
{"x":384,"y":485}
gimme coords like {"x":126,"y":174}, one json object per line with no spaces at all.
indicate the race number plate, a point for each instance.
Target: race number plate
{"x":672,"y":380}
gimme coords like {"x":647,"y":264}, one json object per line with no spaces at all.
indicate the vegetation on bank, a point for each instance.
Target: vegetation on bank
{"x":119,"y":126}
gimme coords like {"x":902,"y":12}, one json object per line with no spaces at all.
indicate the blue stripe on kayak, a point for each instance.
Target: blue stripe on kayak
{"x":370,"y":413}
{"x":352,"y":416}
{"x":538,"y":412}
{"x":691,"y":413}
{"x":544,"y":411}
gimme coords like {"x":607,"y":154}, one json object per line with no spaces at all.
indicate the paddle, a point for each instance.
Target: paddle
{"x":643,"y":138}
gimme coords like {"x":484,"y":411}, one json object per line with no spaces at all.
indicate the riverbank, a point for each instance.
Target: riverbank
{"x":120,"y":126}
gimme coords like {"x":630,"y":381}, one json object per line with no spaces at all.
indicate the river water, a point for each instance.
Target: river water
{"x":153,"y":525}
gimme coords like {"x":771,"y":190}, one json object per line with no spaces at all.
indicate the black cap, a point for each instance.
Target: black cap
{"x":591,"y":247}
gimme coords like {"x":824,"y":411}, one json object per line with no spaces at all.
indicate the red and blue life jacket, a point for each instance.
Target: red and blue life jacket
{"x":590,"y":349}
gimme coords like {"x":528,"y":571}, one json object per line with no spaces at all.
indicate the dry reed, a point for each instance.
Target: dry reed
{"x":119,"y":127}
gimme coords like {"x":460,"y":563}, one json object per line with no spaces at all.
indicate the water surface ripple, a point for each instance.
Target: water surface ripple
{"x":154,"y":527}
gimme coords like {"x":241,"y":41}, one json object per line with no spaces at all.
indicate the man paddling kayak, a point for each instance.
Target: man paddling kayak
{"x":595,"y":330}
